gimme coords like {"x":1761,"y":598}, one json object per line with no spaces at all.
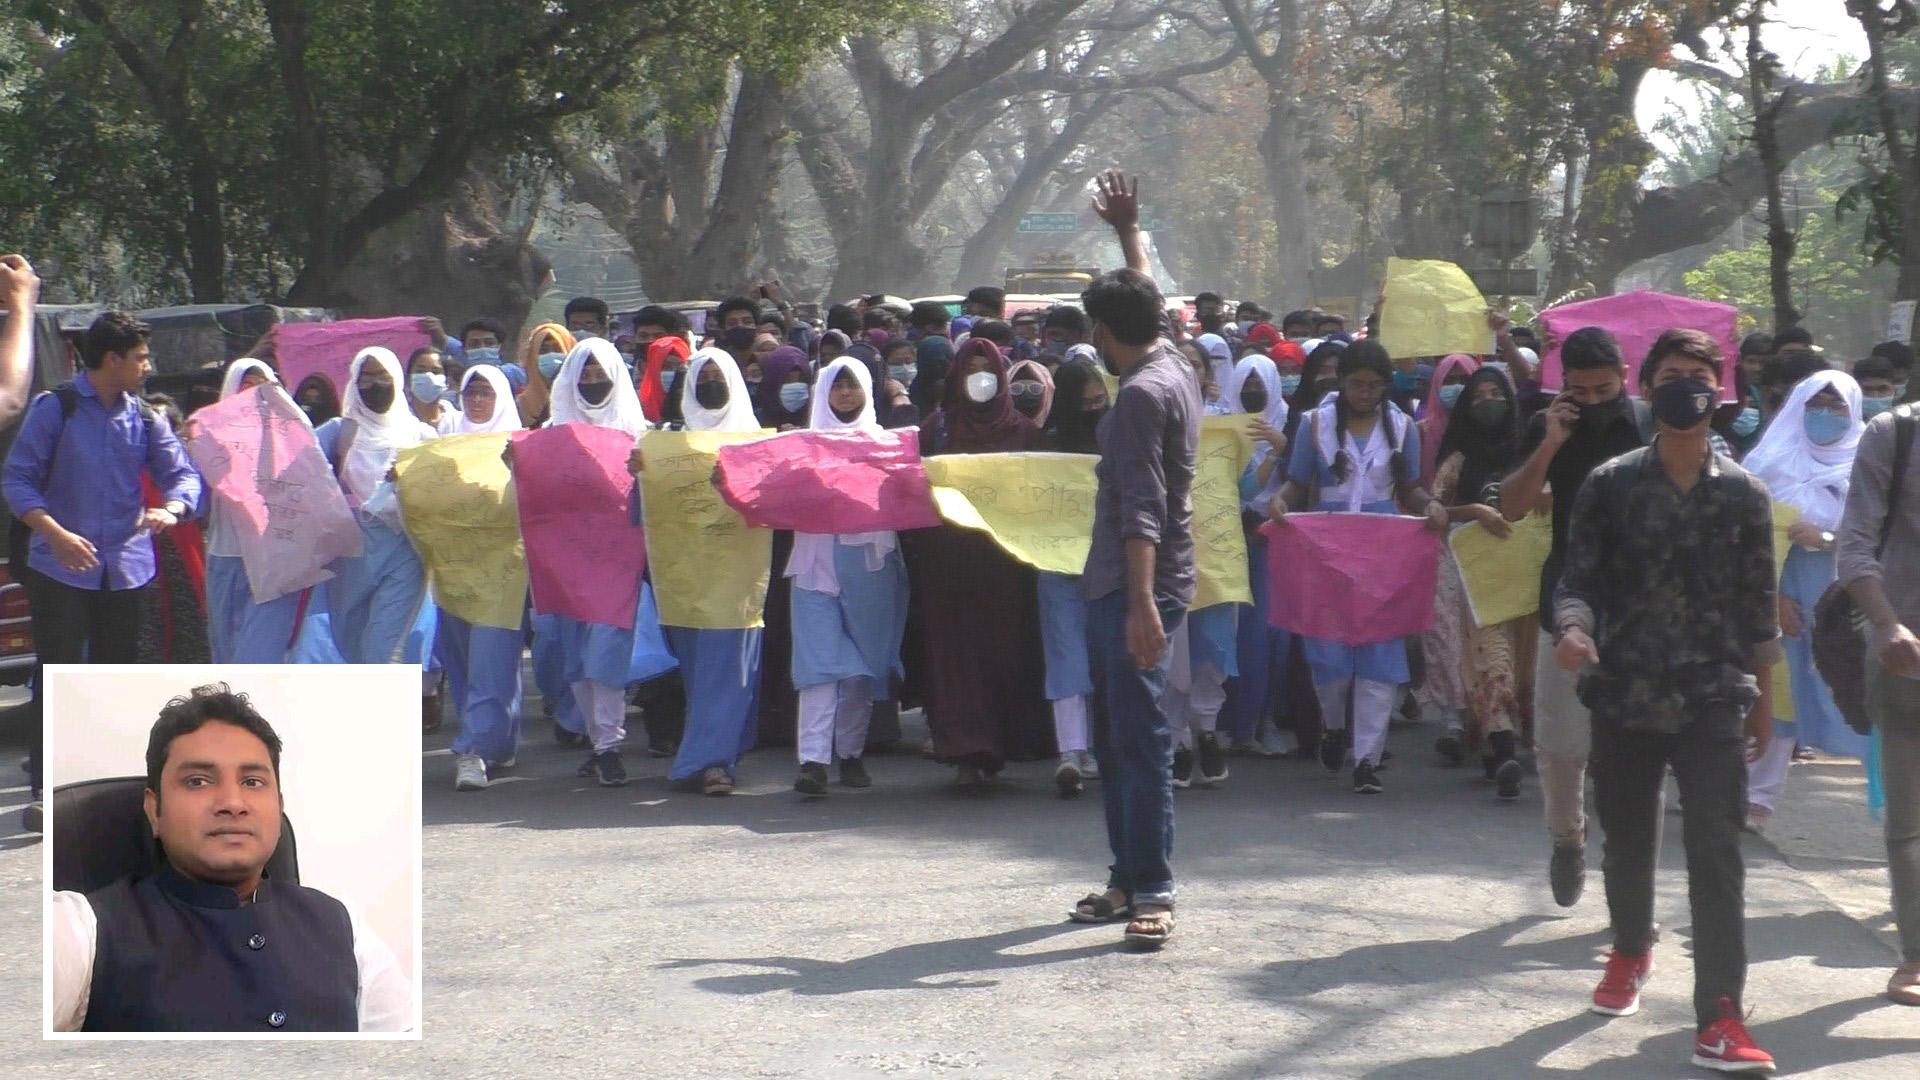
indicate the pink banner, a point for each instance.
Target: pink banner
{"x":259,"y":458}
{"x":1638,"y":319}
{"x":1353,"y":578}
{"x":829,"y":482}
{"x":584,"y":554}
{"x":303,"y":349}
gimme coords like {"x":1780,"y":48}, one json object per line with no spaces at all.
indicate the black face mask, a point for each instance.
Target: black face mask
{"x":1254,"y":401}
{"x":594,"y":393}
{"x":1598,"y":416}
{"x":377,"y":398}
{"x":711,"y":395}
{"x":1489,"y":413}
{"x":1683,"y":403}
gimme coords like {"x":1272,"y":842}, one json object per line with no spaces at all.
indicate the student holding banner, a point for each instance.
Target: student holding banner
{"x":849,"y":611}
{"x":1358,"y":453}
{"x":240,"y":631}
{"x":375,"y":600}
{"x":720,"y":665}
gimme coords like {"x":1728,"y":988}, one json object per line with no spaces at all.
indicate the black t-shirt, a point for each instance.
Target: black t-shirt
{"x":1583,"y":452}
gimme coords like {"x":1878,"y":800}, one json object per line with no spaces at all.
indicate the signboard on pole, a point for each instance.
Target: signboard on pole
{"x":1049,"y":223}
{"x":1900,"y":321}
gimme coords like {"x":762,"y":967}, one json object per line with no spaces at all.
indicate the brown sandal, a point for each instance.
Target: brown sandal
{"x":1156,"y":928}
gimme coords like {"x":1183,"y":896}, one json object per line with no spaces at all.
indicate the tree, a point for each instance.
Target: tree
{"x":1889,"y":197}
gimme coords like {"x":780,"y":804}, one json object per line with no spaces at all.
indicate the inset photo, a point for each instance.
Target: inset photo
{"x":233,"y":852}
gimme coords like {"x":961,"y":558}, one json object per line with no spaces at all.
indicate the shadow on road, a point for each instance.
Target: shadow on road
{"x":921,"y":966}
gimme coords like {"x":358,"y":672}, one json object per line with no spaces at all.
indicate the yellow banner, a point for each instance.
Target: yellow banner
{"x":709,"y":567}
{"x":1503,"y":576}
{"x":1432,"y":309}
{"x":456,"y":497}
{"x":1784,"y":518}
{"x":1037,"y":507}
{"x":1220,"y":545}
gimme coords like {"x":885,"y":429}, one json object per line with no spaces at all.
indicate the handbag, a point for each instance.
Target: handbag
{"x":1839,"y":638}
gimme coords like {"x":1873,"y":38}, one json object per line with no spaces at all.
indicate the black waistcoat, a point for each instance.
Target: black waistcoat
{"x":174,"y":954}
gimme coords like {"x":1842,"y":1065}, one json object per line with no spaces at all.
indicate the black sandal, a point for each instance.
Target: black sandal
{"x":1098,"y":908}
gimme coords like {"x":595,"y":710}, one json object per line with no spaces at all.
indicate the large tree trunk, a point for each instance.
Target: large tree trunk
{"x":717,"y":264}
{"x":1287,"y":191}
{"x":206,"y":231}
{"x":1766,"y":141}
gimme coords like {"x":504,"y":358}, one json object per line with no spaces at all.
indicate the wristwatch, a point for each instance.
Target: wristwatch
{"x":177,"y":508}
{"x":1827,"y":539}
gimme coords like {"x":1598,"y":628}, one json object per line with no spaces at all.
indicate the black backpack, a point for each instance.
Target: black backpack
{"x":19,"y":536}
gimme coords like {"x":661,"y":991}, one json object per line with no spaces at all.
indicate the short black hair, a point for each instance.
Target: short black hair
{"x":591,"y":304}
{"x":407,"y":368}
{"x":1690,"y":344}
{"x":878,"y":318}
{"x":1897,"y":353}
{"x":112,"y":332}
{"x":491,"y":326}
{"x":668,"y":320}
{"x":166,"y":406}
{"x":1069,"y":318}
{"x":1207,"y":298}
{"x":1524,"y":335}
{"x":1757,"y":344}
{"x":771,"y":314}
{"x":929,"y":313}
{"x":998,"y":331}
{"x":186,"y":715}
{"x":1876,"y":367}
{"x":991,"y":296}
{"x":735,"y":303}
{"x":1790,"y":365}
{"x":1248,"y":309}
{"x":1321,"y":318}
{"x":1591,"y":347}
{"x":1793,"y":335}
{"x":842,"y":318}
{"x":1303,"y":317}
{"x":1028,"y":315}
{"x":1128,"y":304}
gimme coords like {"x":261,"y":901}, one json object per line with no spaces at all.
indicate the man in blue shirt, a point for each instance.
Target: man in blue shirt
{"x":73,"y":478}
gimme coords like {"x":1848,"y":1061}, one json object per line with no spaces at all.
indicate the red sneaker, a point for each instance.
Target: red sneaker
{"x":1725,"y":1045}
{"x":1619,"y":991}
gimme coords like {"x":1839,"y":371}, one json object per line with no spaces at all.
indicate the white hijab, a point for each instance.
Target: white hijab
{"x":377,"y":437}
{"x":1251,"y":367}
{"x":506,"y":414}
{"x":230,"y":384}
{"x":223,"y":537}
{"x":1800,"y":472}
{"x":811,"y":564}
{"x":735,"y":415}
{"x":1219,"y":356}
{"x":620,"y":411}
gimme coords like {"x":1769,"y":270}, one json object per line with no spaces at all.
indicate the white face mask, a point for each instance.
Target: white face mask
{"x":428,"y":387}
{"x":981,"y":386}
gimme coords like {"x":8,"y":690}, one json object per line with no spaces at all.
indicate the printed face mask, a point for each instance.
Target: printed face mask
{"x":1683,"y":403}
{"x":792,"y":396}
{"x":981,"y":386}
{"x":428,"y":387}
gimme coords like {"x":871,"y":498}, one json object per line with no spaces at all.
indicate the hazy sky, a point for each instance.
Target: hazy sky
{"x":1805,"y":34}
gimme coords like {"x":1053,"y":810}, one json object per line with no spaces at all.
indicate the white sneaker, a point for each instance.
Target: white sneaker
{"x":1274,"y":742}
{"x":1089,"y":769}
{"x":470,"y":773}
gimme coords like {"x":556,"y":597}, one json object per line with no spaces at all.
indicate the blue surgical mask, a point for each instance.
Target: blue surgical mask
{"x":1405,"y":382}
{"x":1451,"y":393}
{"x":792,"y":396}
{"x":666,"y":378}
{"x":1747,"y":422}
{"x":487,"y":355}
{"x":550,"y":365}
{"x":1289,"y":384}
{"x":428,"y":387}
{"x":1871,"y":407}
{"x":1826,"y":428}
{"x":1899,"y":391}
{"x":902,"y":373}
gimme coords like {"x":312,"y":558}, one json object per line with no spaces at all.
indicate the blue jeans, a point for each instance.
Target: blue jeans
{"x":1133,"y":742}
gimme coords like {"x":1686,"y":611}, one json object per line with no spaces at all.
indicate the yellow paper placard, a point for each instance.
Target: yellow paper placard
{"x":709,"y":567}
{"x":1220,"y":545}
{"x":1432,"y":309}
{"x":457,"y":499}
{"x":1503,"y":576}
{"x":1037,"y":507}
{"x":1784,"y":518}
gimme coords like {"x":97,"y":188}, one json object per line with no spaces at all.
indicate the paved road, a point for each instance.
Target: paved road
{"x":914,"y":930}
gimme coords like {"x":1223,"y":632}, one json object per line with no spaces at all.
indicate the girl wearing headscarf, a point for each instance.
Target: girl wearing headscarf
{"x":1218,"y":356}
{"x":1031,"y":386}
{"x":933,"y":357}
{"x":1806,"y":460}
{"x":240,"y":631}
{"x":595,"y":388}
{"x":317,"y":399}
{"x":849,"y":611}
{"x":1479,"y":446}
{"x":482,"y":663}
{"x":1261,"y":650}
{"x":665,"y":356}
{"x":977,"y":607}
{"x":377,"y":599}
{"x":785,"y":375}
{"x":1358,"y":452}
{"x":1074,"y":408}
{"x":720,"y":668}
{"x":894,"y":408}
{"x":541,"y":354}
{"x":1442,"y":693}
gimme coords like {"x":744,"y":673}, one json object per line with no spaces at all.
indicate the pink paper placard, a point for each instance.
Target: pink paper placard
{"x":829,"y":482}
{"x":584,"y":554}
{"x":1638,"y":319}
{"x":1354,"y":578}
{"x":303,"y":349}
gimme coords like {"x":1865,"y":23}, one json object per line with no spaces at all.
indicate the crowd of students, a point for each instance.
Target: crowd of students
{"x":1005,"y":661}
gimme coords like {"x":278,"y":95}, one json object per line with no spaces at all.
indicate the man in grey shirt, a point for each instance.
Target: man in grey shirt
{"x":1139,"y":576}
{"x":1886,"y":585}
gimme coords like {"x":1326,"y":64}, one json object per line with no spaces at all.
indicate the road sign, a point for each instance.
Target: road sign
{"x":1050,"y":223}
